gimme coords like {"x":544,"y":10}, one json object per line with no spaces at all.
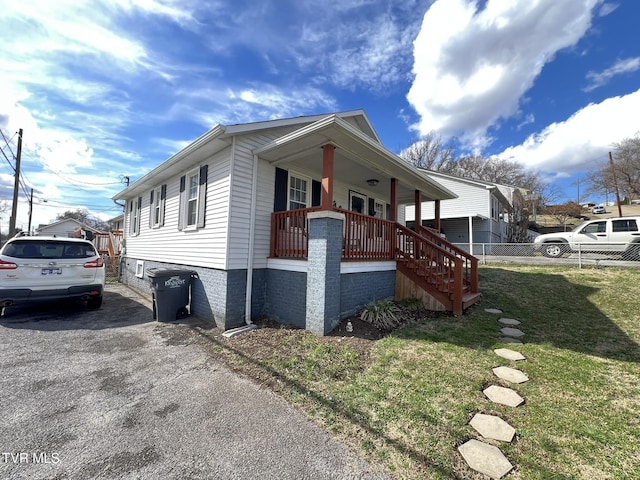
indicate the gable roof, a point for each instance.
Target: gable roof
{"x":78,"y":223}
{"x":494,"y":188}
{"x":350,"y":131}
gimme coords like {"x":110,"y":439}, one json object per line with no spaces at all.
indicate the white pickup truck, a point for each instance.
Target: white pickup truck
{"x":611,"y":235}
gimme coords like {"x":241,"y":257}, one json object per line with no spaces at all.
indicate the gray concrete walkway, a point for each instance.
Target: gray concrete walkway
{"x":111,"y":394}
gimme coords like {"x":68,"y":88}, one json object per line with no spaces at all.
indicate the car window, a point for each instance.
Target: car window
{"x":627,"y":225}
{"x":49,"y":249}
{"x":595,"y":227}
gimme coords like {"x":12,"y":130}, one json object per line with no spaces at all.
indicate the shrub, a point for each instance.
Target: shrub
{"x":382,"y":314}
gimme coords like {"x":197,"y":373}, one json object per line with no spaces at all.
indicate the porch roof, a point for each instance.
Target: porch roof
{"x":357,"y":157}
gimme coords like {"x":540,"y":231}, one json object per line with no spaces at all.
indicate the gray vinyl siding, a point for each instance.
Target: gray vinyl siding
{"x":473,"y":200}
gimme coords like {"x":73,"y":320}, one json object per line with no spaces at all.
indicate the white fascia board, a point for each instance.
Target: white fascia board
{"x":150,"y":180}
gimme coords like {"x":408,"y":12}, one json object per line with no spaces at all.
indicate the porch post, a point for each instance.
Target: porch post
{"x":418,"y":212}
{"x":437,"y":215}
{"x":471,"y":235}
{"x":323,"y":271}
{"x":327,"y":176}
{"x":394,"y":200}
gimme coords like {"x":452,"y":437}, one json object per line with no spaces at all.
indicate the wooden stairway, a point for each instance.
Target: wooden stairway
{"x":443,"y":271}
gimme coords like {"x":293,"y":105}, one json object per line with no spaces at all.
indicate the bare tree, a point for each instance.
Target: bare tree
{"x":82,"y":215}
{"x":431,"y":153}
{"x":563,"y":212}
{"x":626,"y":156}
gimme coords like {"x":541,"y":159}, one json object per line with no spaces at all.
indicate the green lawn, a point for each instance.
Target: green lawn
{"x":407,"y":405}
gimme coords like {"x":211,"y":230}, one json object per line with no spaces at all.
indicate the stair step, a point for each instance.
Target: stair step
{"x":469,"y":299}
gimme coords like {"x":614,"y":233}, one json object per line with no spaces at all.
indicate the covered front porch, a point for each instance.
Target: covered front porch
{"x":330,"y":163}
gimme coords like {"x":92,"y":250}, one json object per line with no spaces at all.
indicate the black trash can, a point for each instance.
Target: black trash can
{"x":171,"y":292}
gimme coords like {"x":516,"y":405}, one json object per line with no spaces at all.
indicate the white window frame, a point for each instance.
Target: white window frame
{"x":156,"y":208}
{"x":140,"y":268}
{"x":193,"y":174}
{"x":380,"y":208}
{"x":307,"y":192}
{"x":134,"y":216}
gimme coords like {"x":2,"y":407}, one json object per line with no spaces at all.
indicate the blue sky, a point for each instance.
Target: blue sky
{"x":106,"y":89}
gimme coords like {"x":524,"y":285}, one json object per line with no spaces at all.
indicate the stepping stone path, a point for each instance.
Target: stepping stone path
{"x":485,"y":458}
{"x":509,"y":354}
{"x":512,"y":332}
{"x":509,"y":321}
{"x":510,"y":374}
{"x":503,"y":396}
{"x":480,"y":456}
{"x":490,"y":426}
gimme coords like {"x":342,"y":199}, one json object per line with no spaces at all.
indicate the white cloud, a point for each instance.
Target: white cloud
{"x":473,"y":66}
{"x":582,"y":141}
{"x":599,"y":79}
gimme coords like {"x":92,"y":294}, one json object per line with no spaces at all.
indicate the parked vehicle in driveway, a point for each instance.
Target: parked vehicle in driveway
{"x":599,"y":209}
{"x":617,"y":235}
{"x":40,"y":269}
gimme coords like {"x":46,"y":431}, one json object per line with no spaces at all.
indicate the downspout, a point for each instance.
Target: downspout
{"x":252,"y":233}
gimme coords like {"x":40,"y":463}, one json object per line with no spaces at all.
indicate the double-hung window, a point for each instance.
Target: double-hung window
{"x":298,"y":191}
{"x":156,"y":206}
{"x":193,"y":190}
{"x":135,"y":207}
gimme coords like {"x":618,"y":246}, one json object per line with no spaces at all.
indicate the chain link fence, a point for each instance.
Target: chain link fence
{"x":579,"y":255}
{"x":112,"y":268}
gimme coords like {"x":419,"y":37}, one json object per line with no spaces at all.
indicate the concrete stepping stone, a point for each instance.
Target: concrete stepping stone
{"x":503,"y":396}
{"x":490,"y":426}
{"x":493,"y":310}
{"x":509,"y":321}
{"x":510,"y":374}
{"x":509,"y":354}
{"x":510,"y":340}
{"x":512,"y":332}
{"x":484,"y":458}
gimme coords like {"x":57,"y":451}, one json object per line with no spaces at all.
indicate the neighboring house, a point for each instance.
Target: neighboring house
{"x":116,"y":223}
{"x":479,"y":214}
{"x":297,"y":219}
{"x":67,"y":227}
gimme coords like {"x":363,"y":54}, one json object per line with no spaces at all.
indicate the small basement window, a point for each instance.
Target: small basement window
{"x":140,"y":268}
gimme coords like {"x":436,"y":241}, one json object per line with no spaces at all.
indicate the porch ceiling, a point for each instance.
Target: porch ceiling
{"x":357,"y":159}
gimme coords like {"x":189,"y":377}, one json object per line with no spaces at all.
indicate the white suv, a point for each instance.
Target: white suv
{"x":41,"y":269}
{"x":617,"y":235}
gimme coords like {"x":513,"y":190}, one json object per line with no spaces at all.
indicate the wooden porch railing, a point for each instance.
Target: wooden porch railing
{"x":445,"y":271}
{"x":109,"y":243}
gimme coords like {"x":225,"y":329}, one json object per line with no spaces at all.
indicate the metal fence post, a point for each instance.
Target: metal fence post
{"x":484,"y":254}
{"x":579,"y":255}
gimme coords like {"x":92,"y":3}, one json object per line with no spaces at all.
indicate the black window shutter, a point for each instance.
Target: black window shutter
{"x":316,"y":193}
{"x":151,"y":210}
{"x":183,"y":195}
{"x":280,"y":193}
{"x":202,"y":195}
{"x":163,"y":198}
{"x":139,"y":213}
{"x":372,"y":207}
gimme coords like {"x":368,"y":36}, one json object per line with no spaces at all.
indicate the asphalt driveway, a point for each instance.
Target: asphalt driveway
{"x":113,"y":394}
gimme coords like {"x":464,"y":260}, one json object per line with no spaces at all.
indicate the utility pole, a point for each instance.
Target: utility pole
{"x":30,"y":212}
{"x":16,"y":188}
{"x":615,"y":184}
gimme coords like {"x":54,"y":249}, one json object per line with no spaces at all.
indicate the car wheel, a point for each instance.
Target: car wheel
{"x":554,"y":250}
{"x":182,"y":313}
{"x":632,"y":253}
{"x":94,"y":302}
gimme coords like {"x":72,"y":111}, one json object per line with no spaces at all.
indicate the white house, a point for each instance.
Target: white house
{"x":63,"y":228}
{"x":478,"y":214}
{"x":298,"y":219}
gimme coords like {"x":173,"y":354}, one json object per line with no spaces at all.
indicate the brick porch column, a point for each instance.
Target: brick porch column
{"x":323,"y":271}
